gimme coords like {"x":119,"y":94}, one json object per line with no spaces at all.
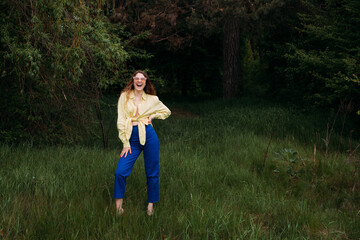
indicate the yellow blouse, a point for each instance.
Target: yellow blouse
{"x":149,"y":105}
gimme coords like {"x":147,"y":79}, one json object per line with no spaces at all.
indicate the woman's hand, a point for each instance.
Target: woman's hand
{"x":125,"y":151}
{"x":149,"y":120}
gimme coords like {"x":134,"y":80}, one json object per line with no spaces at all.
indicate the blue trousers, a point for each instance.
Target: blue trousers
{"x":151,"y":160}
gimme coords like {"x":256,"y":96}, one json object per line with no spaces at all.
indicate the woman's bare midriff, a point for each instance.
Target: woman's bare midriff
{"x":135,"y":123}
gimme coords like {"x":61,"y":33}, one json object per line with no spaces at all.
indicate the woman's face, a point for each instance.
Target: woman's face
{"x":139,"y":81}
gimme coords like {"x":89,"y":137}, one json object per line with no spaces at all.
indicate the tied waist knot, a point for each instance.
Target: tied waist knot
{"x":141,"y":126}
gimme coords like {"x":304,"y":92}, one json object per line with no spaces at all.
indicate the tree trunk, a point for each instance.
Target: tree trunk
{"x":231,"y":58}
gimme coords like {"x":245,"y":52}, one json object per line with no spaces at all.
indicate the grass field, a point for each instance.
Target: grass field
{"x":214,"y":182}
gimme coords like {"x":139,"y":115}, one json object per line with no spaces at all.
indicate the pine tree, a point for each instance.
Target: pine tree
{"x":324,"y":61}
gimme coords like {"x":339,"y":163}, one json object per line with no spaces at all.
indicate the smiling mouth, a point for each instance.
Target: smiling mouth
{"x":139,"y":85}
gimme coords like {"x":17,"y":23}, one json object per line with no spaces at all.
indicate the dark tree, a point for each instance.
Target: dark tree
{"x":319,"y":64}
{"x":231,"y":57}
{"x":235,"y":20}
{"x":176,"y":24}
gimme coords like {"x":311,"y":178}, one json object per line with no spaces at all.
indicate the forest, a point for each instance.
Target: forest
{"x":59,"y":58}
{"x":265,"y":102}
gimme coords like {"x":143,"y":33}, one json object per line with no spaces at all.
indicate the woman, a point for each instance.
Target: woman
{"x":137,"y":106}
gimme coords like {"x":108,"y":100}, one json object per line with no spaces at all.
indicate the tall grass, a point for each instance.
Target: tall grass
{"x":213,"y":182}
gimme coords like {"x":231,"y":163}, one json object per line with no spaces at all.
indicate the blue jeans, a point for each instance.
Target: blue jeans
{"x":151,"y":160}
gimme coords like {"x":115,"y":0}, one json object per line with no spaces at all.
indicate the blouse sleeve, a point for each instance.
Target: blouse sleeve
{"x":160,"y":110}
{"x":121,"y":120}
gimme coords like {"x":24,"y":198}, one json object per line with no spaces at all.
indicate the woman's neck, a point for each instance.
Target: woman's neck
{"x":138,"y":93}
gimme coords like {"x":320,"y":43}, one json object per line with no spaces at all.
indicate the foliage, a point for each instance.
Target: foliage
{"x":256,"y":82}
{"x":322,"y":63}
{"x":186,"y":61}
{"x":187,"y":37}
{"x":294,"y":163}
{"x":58,"y":56}
{"x":234,"y":21}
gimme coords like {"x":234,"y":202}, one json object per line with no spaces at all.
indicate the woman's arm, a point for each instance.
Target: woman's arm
{"x":121,"y":121}
{"x":160,"y":111}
